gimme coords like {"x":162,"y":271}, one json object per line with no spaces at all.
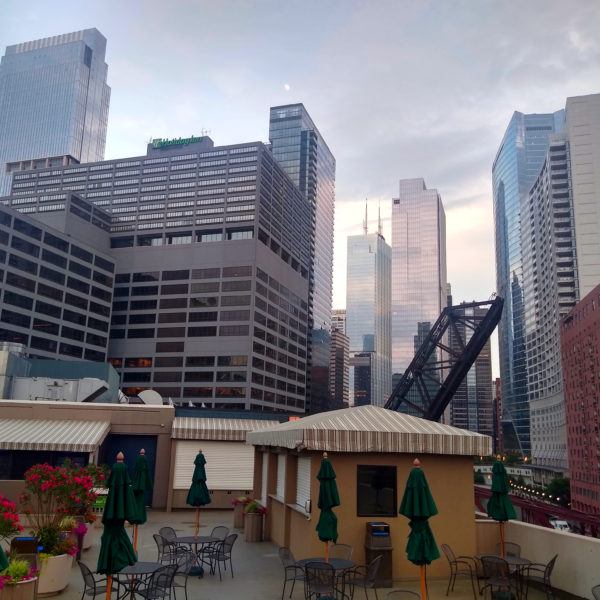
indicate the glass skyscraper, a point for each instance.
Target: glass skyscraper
{"x":53,"y":100}
{"x":368,"y":311}
{"x":515,"y":169}
{"x":419,"y":286}
{"x":300,"y":149}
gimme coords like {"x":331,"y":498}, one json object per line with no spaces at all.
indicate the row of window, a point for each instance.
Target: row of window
{"x":239,"y":360}
{"x":181,"y":332}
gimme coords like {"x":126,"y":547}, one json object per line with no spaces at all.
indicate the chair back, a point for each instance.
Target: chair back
{"x":88,"y":577}
{"x":402,"y":595}
{"x":341,"y":551}
{"x":228,"y":543}
{"x":320,"y":579}
{"x":449,"y":554}
{"x":596,"y":592}
{"x":162,"y":546}
{"x":549,"y":568}
{"x":220,"y":531}
{"x":510,"y":549}
{"x":372,"y":569}
{"x":494,"y":566}
{"x":168,"y":533}
{"x":161,"y":581}
{"x":185,"y":561}
{"x":287,"y":558}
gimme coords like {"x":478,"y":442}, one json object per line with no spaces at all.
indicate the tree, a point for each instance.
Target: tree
{"x":560,"y":488}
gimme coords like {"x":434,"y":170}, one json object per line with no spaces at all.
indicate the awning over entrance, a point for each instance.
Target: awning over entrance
{"x":44,"y":434}
{"x":199,"y":428}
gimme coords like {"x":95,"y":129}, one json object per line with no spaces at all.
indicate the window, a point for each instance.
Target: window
{"x":200,"y":361}
{"x":376,"y":491}
{"x":280,"y":491}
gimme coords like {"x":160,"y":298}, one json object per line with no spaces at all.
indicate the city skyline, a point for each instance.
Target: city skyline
{"x":464,"y":70}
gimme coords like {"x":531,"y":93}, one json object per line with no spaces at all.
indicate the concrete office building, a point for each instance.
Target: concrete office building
{"x":304,"y":155}
{"x":339,"y":369}
{"x":338,"y":319}
{"x":53,"y":100}
{"x":368,"y":315}
{"x":419,"y":286}
{"x":212,"y":256}
{"x":515,"y":168}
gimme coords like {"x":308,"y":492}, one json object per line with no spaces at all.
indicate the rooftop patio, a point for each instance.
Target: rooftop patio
{"x":257,"y":569}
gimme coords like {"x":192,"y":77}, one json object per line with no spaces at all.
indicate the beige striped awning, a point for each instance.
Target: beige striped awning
{"x":45,"y":434}
{"x":371,"y":429}
{"x":200,"y":428}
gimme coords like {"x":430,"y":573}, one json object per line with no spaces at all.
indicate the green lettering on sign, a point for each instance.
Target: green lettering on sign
{"x":163,"y":143}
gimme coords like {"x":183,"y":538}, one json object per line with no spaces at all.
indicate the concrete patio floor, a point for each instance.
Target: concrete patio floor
{"x":258,"y":573}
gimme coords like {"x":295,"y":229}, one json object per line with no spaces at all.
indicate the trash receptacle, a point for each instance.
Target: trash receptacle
{"x":378,"y":542}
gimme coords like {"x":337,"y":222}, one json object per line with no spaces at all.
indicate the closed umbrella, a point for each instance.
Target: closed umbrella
{"x":116,"y":551}
{"x":198,"y":493}
{"x":499,"y":506}
{"x":3,"y":560}
{"x":418,"y":505}
{"x":328,"y":498}
{"x":142,"y":483}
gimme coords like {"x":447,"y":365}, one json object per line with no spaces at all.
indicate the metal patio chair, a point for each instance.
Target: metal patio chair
{"x":460,"y":565}
{"x":540,"y":573}
{"x":291,"y":571}
{"x":92,"y":587}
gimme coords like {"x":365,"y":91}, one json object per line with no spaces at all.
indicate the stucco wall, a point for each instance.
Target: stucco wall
{"x":450,"y":479}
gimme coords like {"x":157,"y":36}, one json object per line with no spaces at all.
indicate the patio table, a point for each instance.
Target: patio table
{"x":340,"y":566}
{"x":197,"y":540}
{"x":516,"y":565}
{"x":127,"y":576}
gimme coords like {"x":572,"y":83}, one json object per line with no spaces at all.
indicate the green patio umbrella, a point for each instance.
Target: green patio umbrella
{"x":116,"y":551}
{"x":142,"y":483}
{"x":328,"y":498}
{"x":198,"y":494}
{"x":499,"y":506}
{"x":3,"y":560}
{"x":418,"y":505}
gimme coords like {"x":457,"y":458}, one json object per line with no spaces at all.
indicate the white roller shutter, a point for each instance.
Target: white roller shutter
{"x":281,"y":476}
{"x":229,"y":465}
{"x":303,"y":481}
{"x":263,"y":484}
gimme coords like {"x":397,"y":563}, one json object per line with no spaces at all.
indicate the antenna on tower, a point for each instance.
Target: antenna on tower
{"x":365,"y":227}
{"x":379,"y":218}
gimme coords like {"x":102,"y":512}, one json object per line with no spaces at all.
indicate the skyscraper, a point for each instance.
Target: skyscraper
{"x":368,"y":297}
{"x":419,"y":285}
{"x":302,"y":152}
{"x":53,"y":100}
{"x":515,"y":168}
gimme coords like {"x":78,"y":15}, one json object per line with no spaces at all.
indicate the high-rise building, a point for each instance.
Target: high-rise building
{"x":53,"y":100}
{"x":303,"y":154}
{"x":560,"y":245}
{"x":472,"y":406}
{"x":515,"y":168}
{"x":419,"y":286}
{"x":338,"y":319}
{"x":580,"y":342}
{"x":368,"y":315}
{"x":339,"y":366}
{"x":210,"y":248}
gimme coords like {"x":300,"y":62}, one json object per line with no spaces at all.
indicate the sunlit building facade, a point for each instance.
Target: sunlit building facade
{"x":53,"y":100}
{"x":368,"y":314}
{"x":419,"y":282}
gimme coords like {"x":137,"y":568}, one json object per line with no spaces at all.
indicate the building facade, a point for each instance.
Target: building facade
{"x":53,"y":100}
{"x":472,"y":405}
{"x":339,"y":369}
{"x":580,"y":345}
{"x":338,"y":319}
{"x":368,"y":314}
{"x":515,"y":168}
{"x":300,"y":149}
{"x":419,"y":282}
{"x":211,"y":247}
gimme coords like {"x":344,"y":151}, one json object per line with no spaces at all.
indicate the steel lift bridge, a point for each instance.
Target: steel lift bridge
{"x":432,"y":378}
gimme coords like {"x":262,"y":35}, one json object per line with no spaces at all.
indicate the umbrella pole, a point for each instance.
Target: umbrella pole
{"x":423,"y":596}
{"x":135,"y":532}
{"x":108,"y":586}
{"x":197,"y":521}
{"x":502,"y":539}
{"x":326,"y":551}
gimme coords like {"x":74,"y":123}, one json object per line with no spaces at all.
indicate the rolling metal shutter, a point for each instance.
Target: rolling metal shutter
{"x":303,"y":481}
{"x":229,"y":465}
{"x":263,"y":484}
{"x":281,"y":476}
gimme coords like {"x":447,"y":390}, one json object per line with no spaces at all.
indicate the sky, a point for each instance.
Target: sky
{"x":398,"y":89}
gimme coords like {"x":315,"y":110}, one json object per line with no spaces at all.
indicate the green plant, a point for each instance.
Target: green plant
{"x":255,"y":507}
{"x":17,"y":570}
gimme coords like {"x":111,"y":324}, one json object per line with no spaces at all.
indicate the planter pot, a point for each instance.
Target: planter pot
{"x":24,"y":590}
{"x":238,"y":516}
{"x":55,"y":572}
{"x":253,"y":526}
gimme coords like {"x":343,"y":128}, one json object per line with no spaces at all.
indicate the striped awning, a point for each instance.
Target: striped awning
{"x":372,"y":429}
{"x":200,"y":428}
{"x":45,"y":434}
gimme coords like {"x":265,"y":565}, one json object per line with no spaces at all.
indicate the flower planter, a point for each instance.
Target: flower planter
{"x":238,"y":516}
{"x":55,"y":572}
{"x":253,"y":526}
{"x":24,"y":590}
